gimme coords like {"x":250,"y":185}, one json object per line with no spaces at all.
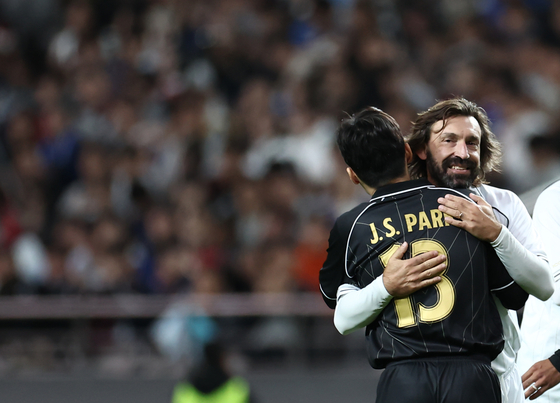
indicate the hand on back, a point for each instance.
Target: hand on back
{"x":478,"y":219}
{"x":402,"y":277}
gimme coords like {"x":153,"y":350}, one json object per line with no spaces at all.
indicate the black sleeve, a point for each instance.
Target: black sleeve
{"x":333,"y":274}
{"x":555,"y":360}
{"x":510,"y":294}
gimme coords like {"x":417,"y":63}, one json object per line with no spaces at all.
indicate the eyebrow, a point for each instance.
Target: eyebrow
{"x":454,"y":135}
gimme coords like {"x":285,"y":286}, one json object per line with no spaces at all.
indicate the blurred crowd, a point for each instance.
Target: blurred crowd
{"x":165,"y":146}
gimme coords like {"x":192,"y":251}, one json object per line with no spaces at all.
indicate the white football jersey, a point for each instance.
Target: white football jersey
{"x":512,"y":213}
{"x":540,"y":329}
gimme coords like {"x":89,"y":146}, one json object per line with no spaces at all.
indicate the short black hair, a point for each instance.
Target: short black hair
{"x":372,"y":144}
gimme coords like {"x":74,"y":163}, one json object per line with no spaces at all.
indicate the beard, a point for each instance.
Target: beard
{"x":442,"y":178}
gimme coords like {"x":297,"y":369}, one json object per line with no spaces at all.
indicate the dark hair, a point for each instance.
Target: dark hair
{"x":372,"y":144}
{"x":490,"y":149}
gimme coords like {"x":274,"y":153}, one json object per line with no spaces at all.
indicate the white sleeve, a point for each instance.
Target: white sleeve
{"x":546,"y":216}
{"x":531,"y":272}
{"x":519,"y":247}
{"x":356,"y":308}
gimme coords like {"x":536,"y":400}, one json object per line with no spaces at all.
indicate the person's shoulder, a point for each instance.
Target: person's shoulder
{"x":445,"y":190}
{"x":495,"y":190}
{"x":350,"y":216}
{"x":552,"y":189}
{"x":506,"y":204}
{"x":495,"y":195}
{"x":550,"y":193}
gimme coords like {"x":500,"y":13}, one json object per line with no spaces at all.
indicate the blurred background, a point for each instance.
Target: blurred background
{"x":169,"y":177}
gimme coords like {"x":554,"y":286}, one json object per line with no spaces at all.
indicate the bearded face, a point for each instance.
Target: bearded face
{"x":453,"y":153}
{"x":453,"y":172}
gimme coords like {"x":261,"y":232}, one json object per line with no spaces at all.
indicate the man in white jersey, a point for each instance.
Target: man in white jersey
{"x":539,"y":356}
{"x":454,"y":147}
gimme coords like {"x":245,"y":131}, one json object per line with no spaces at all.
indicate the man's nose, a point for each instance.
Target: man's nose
{"x":461,"y":150}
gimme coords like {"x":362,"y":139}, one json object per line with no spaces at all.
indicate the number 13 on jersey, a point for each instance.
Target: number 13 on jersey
{"x":445,"y":290}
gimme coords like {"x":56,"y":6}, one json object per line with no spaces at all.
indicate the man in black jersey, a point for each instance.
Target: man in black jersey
{"x":436,"y":343}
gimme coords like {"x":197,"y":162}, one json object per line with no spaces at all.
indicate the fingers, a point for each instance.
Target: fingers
{"x":526,"y":376}
{"x":539,"y":392}
{"x":425,"y":259}
{"x":427,"y":273}
{"x":437,"y":270}
{"x":455,"y":221}
{"x":453,"y":209}
{"x":402,"y":277}
{"x":529,"y":384}
{"x":450,"y":204}
{"x":429,"y":281}
{"x":399,"y":253}
{"x":535,"y":381}
{"x":529,"y":377}
{"x":452,"y":201}
{"x":479,"y":200}
{"x":529,"y":390}
{"x":533,"y":392}
{"x":426,"y":266}
{"x":435,"y":265}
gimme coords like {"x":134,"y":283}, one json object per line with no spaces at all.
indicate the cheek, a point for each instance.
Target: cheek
{"x":441,"y":154}
{"x":475,"y":156}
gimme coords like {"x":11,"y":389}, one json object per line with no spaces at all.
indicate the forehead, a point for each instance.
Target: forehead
{"x":458,"y":126}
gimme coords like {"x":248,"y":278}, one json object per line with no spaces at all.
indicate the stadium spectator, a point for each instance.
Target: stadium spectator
{"x":218,"y":94}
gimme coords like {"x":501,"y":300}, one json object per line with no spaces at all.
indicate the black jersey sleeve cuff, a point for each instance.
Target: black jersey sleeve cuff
{"x":511,"y":296}
{"x":555,"y":360}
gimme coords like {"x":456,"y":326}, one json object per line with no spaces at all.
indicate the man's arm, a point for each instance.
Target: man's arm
{"x":510,"y":294}
{"x":356,"y":308}
{"x":546,"y":217}
{"x":333,"y":274}
{"x":531,"y":272}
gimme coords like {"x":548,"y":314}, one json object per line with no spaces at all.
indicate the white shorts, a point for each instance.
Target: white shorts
{"x":511,"y":386}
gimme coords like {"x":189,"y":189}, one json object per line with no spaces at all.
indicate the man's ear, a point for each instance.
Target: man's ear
{"x":352,"y":175}
{"x":422,"y":154}
{"x":408,"y":154}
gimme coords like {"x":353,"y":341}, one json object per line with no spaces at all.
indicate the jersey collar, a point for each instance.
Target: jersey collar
{"x":400,"y":186}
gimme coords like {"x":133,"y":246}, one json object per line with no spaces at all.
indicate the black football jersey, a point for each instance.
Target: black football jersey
{"x":456,"y":316}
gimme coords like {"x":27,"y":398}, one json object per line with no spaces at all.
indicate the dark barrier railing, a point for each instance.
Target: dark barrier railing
{"x":144,"y":306}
